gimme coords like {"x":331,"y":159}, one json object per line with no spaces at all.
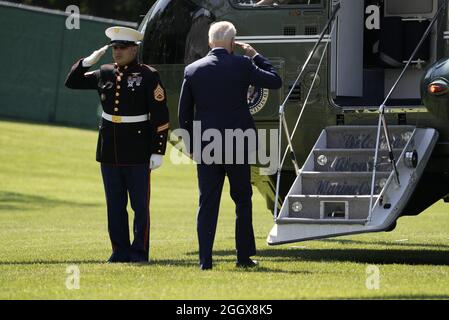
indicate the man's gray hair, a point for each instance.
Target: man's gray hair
{"x":222,"y":31}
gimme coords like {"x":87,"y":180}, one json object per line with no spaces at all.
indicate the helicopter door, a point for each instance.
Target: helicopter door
{"x":347,"y":50}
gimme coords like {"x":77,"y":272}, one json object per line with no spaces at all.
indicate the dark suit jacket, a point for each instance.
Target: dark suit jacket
{"x":215,"y":90}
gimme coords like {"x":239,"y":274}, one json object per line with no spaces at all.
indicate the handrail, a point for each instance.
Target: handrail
{"x":401,"y":157}
{"x":382,"y":123}
{"x":282,"y":120}
{"x":315,"y":47}
{"x":282,"y":107}
{"x":290,"y":136}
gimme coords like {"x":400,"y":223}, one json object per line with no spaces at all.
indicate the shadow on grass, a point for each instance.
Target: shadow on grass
{"x":366,"y":256}
{"x":386,"y":243}
{"x":12,"y":201}
{"x":166,"y":262}
{"x":404,"y":297}
{"x":369,"y":256}
{"x":50,"y":262}
{"x":163,"y":263}
{"x":217,"y":263}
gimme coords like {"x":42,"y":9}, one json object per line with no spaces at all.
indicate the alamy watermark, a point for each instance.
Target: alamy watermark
{"x":372,"y":281}
{"x":73,"y":278}
{"x":73,"y":20}
{"x":227,"y":146}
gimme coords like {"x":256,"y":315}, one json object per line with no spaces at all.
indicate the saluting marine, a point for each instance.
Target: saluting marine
{"x":132,"y":137}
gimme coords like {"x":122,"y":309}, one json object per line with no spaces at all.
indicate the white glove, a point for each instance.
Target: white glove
{"x":155,"y":161}
{"x":94,"y":57}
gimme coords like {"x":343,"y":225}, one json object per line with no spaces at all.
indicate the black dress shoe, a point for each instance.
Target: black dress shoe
{"x":206,"y":266}
{"x":247,"y":263}
{"x":118,"y":259}
{"x":139,"y":258}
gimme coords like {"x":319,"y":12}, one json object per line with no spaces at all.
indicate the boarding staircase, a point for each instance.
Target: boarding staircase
{"x":356,"y":179}
{"x":333,"y":192}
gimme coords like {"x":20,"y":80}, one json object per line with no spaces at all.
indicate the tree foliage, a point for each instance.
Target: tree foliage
{"x":127,"y":10}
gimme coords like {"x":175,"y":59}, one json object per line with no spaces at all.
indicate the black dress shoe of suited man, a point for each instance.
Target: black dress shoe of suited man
{"x":206,"y":266}
{"x":139,"y":259}
{"x":118,"y":259}
{"x":247,"y":263}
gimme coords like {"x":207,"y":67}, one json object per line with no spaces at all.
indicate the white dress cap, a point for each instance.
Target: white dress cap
{"x":123,"y":34}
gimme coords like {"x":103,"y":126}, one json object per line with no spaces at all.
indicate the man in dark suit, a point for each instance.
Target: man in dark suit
{"x":214,"y":92}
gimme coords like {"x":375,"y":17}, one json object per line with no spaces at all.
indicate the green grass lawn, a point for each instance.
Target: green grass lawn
{"x":52,"y":215}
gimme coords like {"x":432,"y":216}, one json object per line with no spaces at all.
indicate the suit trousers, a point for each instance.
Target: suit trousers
{"x":210,"y":179}
{"x":119,"y":181}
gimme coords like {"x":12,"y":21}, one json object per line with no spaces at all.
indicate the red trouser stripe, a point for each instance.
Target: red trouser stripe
{"x":147,"y":231}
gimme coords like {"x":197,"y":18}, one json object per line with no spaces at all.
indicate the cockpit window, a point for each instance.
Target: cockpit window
{"x":175,"y":32}
{"x":274,"y":3}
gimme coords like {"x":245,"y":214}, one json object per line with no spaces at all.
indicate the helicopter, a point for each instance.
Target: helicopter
{"x":363,"y":114}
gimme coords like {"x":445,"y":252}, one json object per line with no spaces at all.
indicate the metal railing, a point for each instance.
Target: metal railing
{"x":382,"y":123}
{"x":282,"y":120}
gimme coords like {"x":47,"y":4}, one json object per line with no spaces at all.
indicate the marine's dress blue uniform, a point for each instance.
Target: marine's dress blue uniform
{"x":215,"y":92}
{"x":124,"y":149}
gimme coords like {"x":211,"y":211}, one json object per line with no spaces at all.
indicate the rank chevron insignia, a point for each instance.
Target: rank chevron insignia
{"x":159,"y":94}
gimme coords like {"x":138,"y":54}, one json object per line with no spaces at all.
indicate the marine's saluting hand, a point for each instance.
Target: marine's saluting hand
{"x":95,"y":57}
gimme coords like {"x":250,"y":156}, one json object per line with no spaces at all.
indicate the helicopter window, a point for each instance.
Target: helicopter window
{"x":274,"y":3}
{"x":176,"y":32}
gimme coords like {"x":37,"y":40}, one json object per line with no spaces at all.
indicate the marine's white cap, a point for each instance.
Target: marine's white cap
{"x":123,"y":35}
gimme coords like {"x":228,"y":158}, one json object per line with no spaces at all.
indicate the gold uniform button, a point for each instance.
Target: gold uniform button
{"x":162,"y":136}
{"x":117,"y":102}
{"x":160,"y":143}
{"x":115,"y":109}
{"x":121,"y":74}
{"x":118,"y":87}
{"x":117,"y":94}
{"x":119,"y":79}
{"x":159,"y":151}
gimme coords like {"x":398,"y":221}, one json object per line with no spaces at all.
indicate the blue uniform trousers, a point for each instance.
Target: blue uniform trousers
{"x":119,"y":181}
{"x":210,"y":180}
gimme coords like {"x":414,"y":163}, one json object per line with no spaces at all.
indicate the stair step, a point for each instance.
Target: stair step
{"x":353,"y":160}
{"x":364,"y":137}
{"x":341,"y":183}
{"x":333,"y":208}
{"x":317,"y":221}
